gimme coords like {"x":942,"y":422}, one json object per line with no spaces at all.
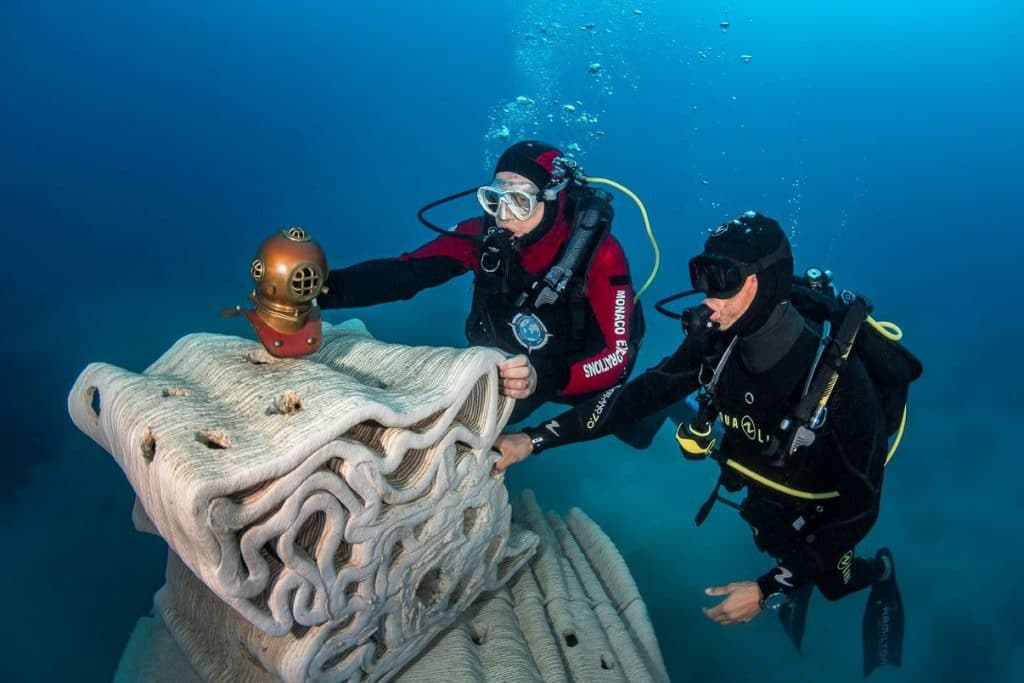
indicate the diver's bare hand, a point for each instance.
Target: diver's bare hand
{"x":517,"y":377}
{"x":742,"y":604}
{"x":513,"y":448}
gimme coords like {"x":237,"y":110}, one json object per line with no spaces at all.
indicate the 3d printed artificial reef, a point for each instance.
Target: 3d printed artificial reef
{"x":333,"y":518}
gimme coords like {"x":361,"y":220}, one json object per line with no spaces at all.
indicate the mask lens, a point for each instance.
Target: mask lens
{"x":489,"y":198}
{"x":697,"y":278}
{"x":717,"y":277}
{"x":521,"y":203}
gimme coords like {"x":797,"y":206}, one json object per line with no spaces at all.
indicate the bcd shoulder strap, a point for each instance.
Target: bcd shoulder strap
{"x":811,"y":411}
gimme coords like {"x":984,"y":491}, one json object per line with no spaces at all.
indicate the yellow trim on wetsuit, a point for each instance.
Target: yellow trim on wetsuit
{"x":781,"y":488}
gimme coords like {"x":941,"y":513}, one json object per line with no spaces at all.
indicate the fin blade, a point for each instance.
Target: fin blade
{"x":884,"y":622}
{"x":793,"y":615}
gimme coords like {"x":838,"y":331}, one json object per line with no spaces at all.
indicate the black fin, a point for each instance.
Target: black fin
{"x":883,"y":620}
{"x":793,"y":615}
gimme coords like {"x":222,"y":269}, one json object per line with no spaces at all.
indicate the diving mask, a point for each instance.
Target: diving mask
{"x":722,"y":277}
{"x":520,"y":200}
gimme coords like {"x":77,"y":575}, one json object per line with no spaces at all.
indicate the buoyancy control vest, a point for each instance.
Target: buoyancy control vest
{"x":548,"y":312}
{"x":889,"y":366}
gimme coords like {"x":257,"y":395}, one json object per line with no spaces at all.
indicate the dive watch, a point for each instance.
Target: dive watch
{"x":536,"y":439}
{"x":774,"y":600}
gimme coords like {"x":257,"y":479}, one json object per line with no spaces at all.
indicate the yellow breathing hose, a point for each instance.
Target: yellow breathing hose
{"x":647,"y":223}
{"x":899,"y":437}
{"x":892,"y":332}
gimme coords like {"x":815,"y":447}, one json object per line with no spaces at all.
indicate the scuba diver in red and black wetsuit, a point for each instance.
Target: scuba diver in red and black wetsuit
{"x":808,"y":389}
{"x":551,"y":286}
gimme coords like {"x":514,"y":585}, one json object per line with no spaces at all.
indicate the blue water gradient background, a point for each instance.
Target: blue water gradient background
{"x":146,"y":148}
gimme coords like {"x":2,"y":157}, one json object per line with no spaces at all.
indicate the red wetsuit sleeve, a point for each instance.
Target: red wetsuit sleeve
{"x":610,"y":292}
{"x":457,"y":248}
{"x":393,"y":279}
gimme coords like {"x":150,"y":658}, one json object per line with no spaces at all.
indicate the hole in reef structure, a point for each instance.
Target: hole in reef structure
{"x":94,"y":400}
{"x":607,"y":661}
{"x":570,"y":637}
{"x":430,"y":587}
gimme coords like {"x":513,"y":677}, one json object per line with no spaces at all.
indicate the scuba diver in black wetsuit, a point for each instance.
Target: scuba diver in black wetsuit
{"x":806,"y":407}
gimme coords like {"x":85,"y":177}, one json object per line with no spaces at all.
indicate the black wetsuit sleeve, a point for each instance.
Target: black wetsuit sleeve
{"x":669,"y":381}
{"x":552,"y":375}
{"x":382,"y":280}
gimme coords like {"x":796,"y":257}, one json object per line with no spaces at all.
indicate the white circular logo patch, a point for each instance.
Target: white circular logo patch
{"x":529,"y":331}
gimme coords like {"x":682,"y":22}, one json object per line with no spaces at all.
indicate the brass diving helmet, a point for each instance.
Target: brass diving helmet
{"x":289,"y":271}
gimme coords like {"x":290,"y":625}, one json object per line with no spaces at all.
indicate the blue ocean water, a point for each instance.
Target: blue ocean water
{"x":148,"y":147}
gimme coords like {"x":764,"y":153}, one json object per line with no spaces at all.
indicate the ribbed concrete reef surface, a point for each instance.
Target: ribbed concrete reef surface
{"x":573,"y":613}
{"x":341,"y":504}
